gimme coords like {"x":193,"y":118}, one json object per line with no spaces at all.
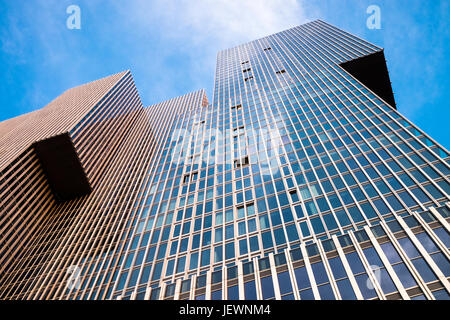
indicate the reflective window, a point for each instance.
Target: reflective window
{"x":346,"y":290}
{"x":250,"y":290}
{"x":365,"y":286}
{"x":337,"y":268}
{"x":233,"y":293}
{"x":326,"y":293}
{"x":424,"y":270}
{"x":302,"y":278}
{"x":267,"y":288}
{"x":404,"y":275}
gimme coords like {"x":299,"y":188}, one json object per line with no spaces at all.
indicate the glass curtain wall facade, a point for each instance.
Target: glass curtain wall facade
{"x":300,"y":180}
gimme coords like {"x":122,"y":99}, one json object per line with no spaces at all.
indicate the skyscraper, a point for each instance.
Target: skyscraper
{"x":300,"y":180}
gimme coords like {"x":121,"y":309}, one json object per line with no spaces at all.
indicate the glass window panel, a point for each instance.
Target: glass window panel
{"x":229,"y":250}
{"x":381,"y":207}
{"x":307,"y":295}
{"x":441,"y":295}
{"x":241,"y":228}
{"x":424,"y":270}
{"x":385,"y":281}
{"x":243,"y":247}
{"x":193,"y":261}
{"x":372,"y":257}
{"x":275,"y":218}
{"x":426,"y":242}
{"x":330,"y":221}
{"x":409,"y":248}
{"x":355,"y":262}
{"x":267,"y":288}
{"x":320,"y":273}
{"x":366,"y":286}
{"x":404,"y":275}
{"x":216,"y":295}
{"x":343,"y":218}
{"x":326,"y":293}
{"x":337,"y":268}
{"x":229,"y":231}
{"x":443,"y":235}
{"x":302,"y":278}
{"x":218,"y":253}
{"x":420,"y":195}
{"x":390,"y":252}
{"x":287,"y":215}
{"x":394,"y":203}
{"x":317,"y":225}
{"x":264,"y":222}
{"x":407,"y":199}
{"x":205,"y":259}
{"x":442,"y":263}
{"x":279,"y":236}
{"x":250,"y":290}
{"x":346,"y":290}
{"x":305,"y":229}
{"x":254,"y":244}
{"x":356,"y":214}
{"x":233,"y":293}
{"x":267,"y":239}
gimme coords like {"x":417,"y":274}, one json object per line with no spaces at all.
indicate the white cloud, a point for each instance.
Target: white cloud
{"x":225,"y":22}
{"x":179,"y":37}
{"x":198,"y":29}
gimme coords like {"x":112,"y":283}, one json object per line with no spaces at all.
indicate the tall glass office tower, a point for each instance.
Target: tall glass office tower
{"x":300,"y":180}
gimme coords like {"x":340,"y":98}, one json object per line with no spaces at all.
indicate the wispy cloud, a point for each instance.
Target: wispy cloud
{"x":219,"y":22}
{"x":36,"y":48}
{"x":197,"y":30}
{"x":171,"y":45}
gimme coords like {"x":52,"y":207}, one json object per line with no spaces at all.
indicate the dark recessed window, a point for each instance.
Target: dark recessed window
{"x":241,"y":162}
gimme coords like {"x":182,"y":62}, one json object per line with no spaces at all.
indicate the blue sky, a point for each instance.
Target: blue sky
{"x":171,"y":46}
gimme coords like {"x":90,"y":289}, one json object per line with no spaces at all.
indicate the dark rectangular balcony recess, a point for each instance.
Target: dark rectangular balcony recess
{"x":62,"y":167}
{"x":371,"y":70}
